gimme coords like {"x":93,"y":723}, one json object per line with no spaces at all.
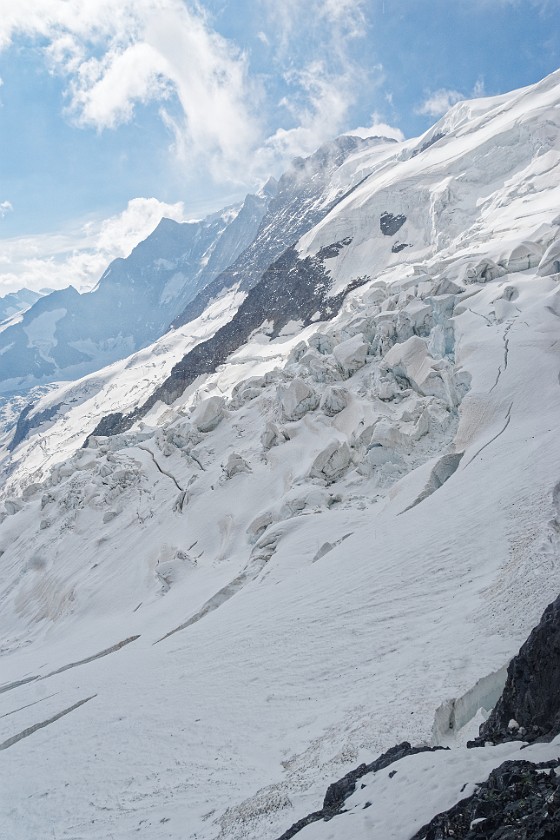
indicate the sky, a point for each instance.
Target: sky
{"x":114,"y":113}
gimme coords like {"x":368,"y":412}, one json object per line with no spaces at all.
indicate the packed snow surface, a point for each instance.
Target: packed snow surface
{"x":209,"y":618}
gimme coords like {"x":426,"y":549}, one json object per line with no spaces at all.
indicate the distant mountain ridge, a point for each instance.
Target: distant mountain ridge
{"x":64,"y":335}
{"x":15,"y":303}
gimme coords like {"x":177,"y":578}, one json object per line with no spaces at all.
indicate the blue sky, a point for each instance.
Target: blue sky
{"x":116,"y":112}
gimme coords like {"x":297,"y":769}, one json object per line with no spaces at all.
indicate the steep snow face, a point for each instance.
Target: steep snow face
{"x":311,"y":547}
{"x":492,"y":172}
{"x":133,"y":303}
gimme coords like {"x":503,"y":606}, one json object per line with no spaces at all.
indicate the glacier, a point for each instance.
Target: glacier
{"x":289,"y":532}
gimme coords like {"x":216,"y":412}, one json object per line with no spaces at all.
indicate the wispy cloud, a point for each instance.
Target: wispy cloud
{"x":326,"y":81}
{"x":78,"y":257}
{"x":5,"y":208}
{"x":440,"y":101}
{"x":117,"y":56}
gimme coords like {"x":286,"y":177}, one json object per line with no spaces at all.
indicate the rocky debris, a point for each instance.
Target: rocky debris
{"x":390,"y":224}
{"x":332,"y":462}
{"x":529,"y":707}
{"x":399,"y":246}
{"x":328,"y":252}
{"x":296,"y":399}
{"x":302,"y":197}
{"x":351,"y":354}
{"x":519,"y":801}
{"x":209,"y":413}
{"x":338,"y":792}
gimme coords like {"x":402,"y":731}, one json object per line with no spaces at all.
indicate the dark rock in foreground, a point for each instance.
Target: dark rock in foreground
{"x":340,"y":791}
{"x":520,"y":801}
{"x":529,"y":708}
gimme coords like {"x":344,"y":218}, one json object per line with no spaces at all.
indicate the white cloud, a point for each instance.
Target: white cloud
{"x":5,"y":208}
{"x":116,"y":56}
{"x":378,"y":128}
{"x":80,"y":256}
{"x":439,"y":102}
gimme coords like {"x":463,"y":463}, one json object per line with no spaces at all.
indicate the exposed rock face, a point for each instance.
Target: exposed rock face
{"x":520,"y":801}
{"x":290,"y":290}
{"x":303,"y":196}
{"x":338,"y":792}
{"x":529,"y":707}
{"x":391,"y":224}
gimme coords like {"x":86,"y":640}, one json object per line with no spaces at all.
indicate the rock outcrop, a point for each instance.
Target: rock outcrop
{"x":529,"y":707}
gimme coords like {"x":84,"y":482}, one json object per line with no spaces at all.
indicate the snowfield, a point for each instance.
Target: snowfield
{"x":208,"y":618}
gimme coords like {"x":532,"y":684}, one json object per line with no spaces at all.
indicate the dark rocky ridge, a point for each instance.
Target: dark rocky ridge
{"x":25,"y":423}
{"x":531,"y":697}
{"x":518,"y":802}
{"x":338,"y":792}
{"x":298,"y":204}
{"x":290,"y":290}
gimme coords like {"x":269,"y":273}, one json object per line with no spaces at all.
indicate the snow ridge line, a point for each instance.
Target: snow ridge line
{"x":17,"y":684}
{"x":31,"y":729}
{"x":28,"y":706}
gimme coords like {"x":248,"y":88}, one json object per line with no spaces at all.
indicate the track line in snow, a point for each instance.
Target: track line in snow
{"x":11,"y":686}
{"x":482,"y":448}
{"x":95,"y":656}
{"x":162,"y":471}
{"x":31,"y":729}
{"x":28,"y":706}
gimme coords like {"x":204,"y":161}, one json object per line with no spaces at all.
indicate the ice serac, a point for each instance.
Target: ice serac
{"x":65,"y":335}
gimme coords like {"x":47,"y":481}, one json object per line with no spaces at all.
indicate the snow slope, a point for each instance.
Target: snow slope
{"x":296,"y":564}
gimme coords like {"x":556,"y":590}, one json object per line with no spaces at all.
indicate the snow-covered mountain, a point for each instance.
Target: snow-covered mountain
{"x":315,"y":520}
{"x":67,"y":334}
{"x":15,"y":303}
